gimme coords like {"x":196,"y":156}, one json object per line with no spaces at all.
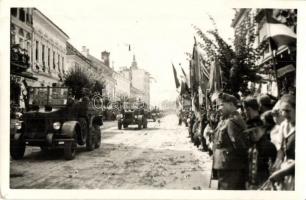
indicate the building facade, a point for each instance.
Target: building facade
{"x":104,"y":71}
{"x":74,"y":60}
{"x":21,"y":33}
{"x":123,"y":86}
{"x":278,"y":59}
{"x":140,"y":80}
{"x":48,"y":50}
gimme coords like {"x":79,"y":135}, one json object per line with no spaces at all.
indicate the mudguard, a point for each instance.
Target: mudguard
{"x":68,"y":128}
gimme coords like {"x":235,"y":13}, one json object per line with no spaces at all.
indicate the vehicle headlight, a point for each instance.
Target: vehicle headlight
{"x":18,"y":125}
{"x":56,"y":125}
{"x":119,"y":116}
{"x":188,"y":120}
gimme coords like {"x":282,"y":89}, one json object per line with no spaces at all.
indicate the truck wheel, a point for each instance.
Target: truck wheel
{"x":17,"y":149}
{"x":84,"y":131}
{"x":139,"y":125}
{"x":119,"y":125}
{"x":98,"y":137}
{"x":145,"y":124}
{"x":69,"y":150}
{"x":90,"y":141}
{"x":44,"y":149}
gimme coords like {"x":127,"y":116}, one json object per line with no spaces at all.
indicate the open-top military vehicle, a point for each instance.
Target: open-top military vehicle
{"x":55,"y":120}
{"x":132,"y":113}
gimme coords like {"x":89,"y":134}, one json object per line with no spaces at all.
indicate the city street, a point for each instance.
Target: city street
{"x":159,"y":157}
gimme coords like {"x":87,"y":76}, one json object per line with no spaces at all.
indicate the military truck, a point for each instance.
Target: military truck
{"x":56,"y":120}
{"x":132,"y":113}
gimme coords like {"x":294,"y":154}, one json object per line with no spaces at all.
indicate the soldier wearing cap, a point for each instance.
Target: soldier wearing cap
{"x":230,"y":148}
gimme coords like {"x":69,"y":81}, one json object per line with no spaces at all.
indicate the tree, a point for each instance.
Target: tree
{"x":82,"y":83}
{"x":238,"y":64}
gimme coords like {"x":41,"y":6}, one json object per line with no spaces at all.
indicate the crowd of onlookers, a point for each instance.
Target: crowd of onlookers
{"x":251,"y":141}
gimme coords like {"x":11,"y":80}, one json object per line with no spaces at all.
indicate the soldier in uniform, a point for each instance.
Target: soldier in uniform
{"x":230,"y":146}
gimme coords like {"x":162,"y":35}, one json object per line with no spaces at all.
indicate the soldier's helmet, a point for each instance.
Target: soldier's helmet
{"x":227,"y":98}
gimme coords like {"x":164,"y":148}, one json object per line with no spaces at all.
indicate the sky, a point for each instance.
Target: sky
{"x":159,"y":33}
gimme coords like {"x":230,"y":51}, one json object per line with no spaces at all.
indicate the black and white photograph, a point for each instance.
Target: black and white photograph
{"x":152,"y":99}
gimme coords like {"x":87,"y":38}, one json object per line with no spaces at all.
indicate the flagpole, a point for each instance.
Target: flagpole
{"x":272,"y":54}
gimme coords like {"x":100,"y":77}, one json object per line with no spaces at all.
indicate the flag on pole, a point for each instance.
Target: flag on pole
{"x":195,"y":69}
{"x":177,"y":83}
{"x":215,"y":84}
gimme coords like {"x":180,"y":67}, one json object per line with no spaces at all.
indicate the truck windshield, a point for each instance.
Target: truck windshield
{"x":53,"y":96}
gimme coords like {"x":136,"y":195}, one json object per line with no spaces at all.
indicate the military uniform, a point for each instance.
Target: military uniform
{"x":230,"y":153}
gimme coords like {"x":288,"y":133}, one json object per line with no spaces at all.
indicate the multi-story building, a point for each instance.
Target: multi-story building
{"x":278,"y":60}
{"x":104,"y":71}
{"x":48,"y":50}
{"x":21,"y":33}
{"x":123,"y":86}
{"x":277,"y":28}
{"x":75,"y":59}
{"x":141,"y":81}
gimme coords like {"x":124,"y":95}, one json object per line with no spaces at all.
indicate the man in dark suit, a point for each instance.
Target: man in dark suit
{"x":230,"y":145}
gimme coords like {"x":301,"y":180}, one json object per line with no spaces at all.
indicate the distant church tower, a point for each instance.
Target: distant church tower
{"x":134,"y":63}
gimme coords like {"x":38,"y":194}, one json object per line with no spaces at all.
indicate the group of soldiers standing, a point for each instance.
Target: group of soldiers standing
{"x":251,"y":141}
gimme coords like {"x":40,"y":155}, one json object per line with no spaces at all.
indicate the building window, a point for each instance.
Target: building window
{"x":28,"y":36}
{"x":49,"y":57}
{"x":58,"y":62}
{"x":14,"y":12}
{"x":21,"y":42}
{"x":43,"y":56}
{"x":53,"y":59}
{"x":20,"y":32}
{"x":22,"y":15}
{"x":63,"y":69}
{"x":13,"y":33}
{"x":36,"y":50}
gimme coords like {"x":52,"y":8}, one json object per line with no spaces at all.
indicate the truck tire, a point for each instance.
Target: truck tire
{"x":98,"y":137}
{"x":69,"y":150}
{"x":90,"y":141}
{"x":17,"y":149}
{"x":139,"y":125}
{"x":84,"y":131}
{"x":145,"y":124}
{"x":119,"y":125}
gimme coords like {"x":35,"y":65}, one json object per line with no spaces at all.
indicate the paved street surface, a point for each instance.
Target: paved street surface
{"x":159,"y":157}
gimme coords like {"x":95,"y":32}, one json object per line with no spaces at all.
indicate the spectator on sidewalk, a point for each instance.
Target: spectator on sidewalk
{"x":261,"y":153}
{"x":251,"y":110}
{"x":230,"y":149}
{"x":284,"y":173}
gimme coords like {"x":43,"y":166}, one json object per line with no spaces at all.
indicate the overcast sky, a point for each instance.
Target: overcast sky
{"x":159,"y":32}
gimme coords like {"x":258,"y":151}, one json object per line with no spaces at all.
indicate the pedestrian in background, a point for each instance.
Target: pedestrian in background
{"x":230,"y":149}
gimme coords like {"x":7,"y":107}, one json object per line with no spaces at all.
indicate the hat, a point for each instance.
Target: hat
{"x":227,"y":98}
{"x":251,"y":102}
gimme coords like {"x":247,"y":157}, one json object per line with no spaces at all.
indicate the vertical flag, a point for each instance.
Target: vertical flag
{"x":177,"y":83}
{"x":215,"y":77}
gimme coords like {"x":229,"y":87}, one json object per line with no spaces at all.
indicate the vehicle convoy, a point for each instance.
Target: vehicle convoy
{"x":131,"y":114}
{"x":56,"y":120}
{"x":154,"y":114}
